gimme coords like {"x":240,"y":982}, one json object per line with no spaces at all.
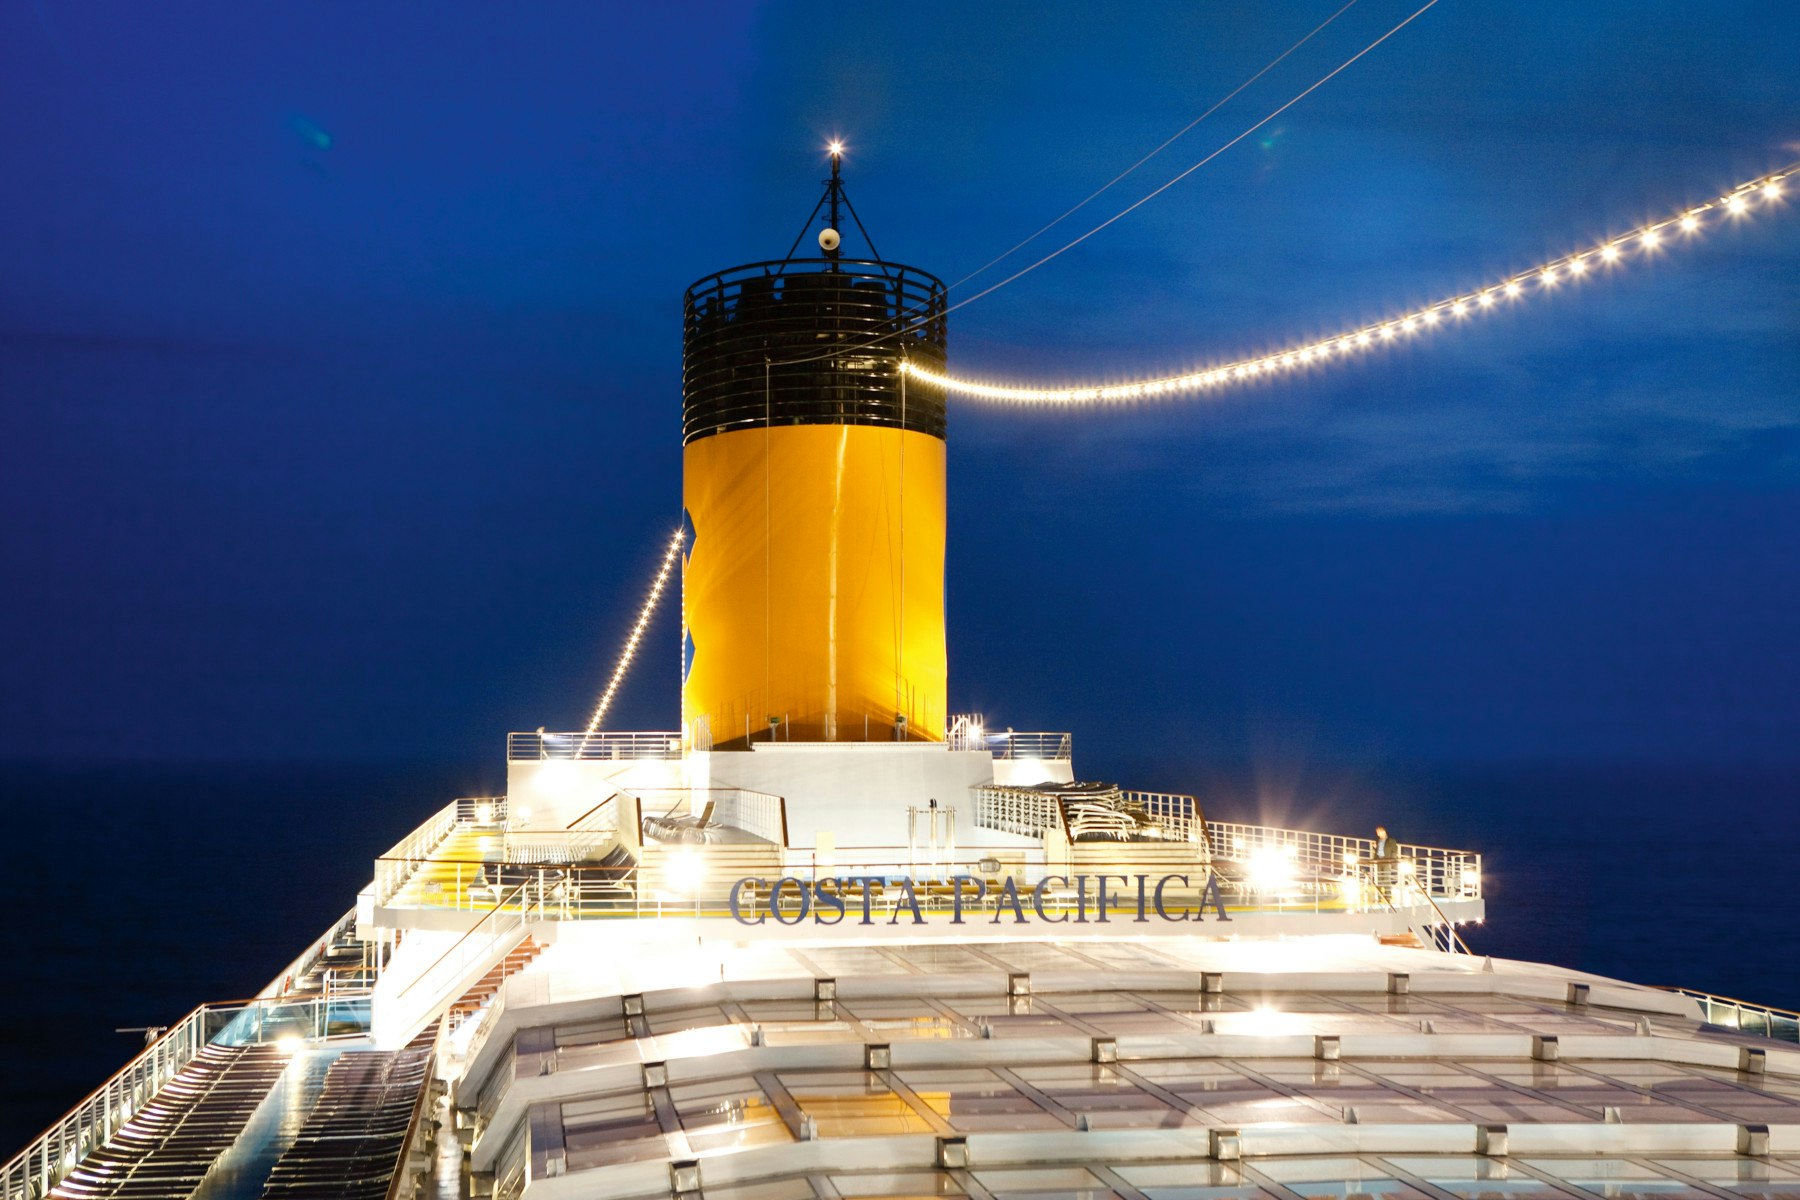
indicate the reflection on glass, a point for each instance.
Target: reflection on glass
{"x":976,"y":1100}
{"x":897,"y":1185}
{"x":1477,"y":1178}
{"x":1745,"y":1176}
{"x":1336,"y":1179}
{"x":852,"y":1104}
{"x":1617,"y":1178}
{"x":1190,"y":1181}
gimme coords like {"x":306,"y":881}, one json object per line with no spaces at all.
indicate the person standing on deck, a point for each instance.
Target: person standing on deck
{"x":1386,"y":859}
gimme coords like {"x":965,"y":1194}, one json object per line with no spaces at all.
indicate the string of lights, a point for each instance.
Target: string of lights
{"x":670,"y":557}
{"x":1764,"y":193}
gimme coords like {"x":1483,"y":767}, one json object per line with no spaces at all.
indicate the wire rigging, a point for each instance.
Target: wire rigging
{"x":1683,"y":227}
{"x":1177,"y":136}
{"x":1137,"y":204}
{"x":908,"y":326}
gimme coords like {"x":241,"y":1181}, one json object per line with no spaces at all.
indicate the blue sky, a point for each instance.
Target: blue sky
{"x":339,"y":367}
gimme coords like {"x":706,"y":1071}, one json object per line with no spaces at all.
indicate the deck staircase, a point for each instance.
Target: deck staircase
{"x":472,"y":1003}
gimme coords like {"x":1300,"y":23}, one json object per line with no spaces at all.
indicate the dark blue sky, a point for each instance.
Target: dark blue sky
{"x":339,"y":367}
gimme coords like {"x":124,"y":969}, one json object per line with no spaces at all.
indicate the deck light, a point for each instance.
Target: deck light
{"x":1270,"y":869}
{"x":686,"y":871}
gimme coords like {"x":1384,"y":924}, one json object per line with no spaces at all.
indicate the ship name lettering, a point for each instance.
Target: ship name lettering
{"x":829,"y":901}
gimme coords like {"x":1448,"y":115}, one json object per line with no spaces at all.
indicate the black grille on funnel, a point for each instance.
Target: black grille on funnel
{"x":852,"y":322}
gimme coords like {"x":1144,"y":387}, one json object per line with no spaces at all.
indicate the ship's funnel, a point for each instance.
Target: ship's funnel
{"x":813,"y":477}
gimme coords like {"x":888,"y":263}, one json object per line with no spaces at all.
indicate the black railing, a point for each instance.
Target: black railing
{"x":812,"y":342}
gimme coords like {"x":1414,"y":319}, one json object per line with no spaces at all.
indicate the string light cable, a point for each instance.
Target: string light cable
{"x":917,"y":322}
{"x":1175,"y":137}
{"x":1764,"y":193}
{"x":671,"y":556}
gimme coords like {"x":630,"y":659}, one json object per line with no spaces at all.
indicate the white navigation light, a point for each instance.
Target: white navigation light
{"x":829,"y":240}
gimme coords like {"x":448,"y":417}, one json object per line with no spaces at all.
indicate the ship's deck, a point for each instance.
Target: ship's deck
{"x":1175,"y":1069}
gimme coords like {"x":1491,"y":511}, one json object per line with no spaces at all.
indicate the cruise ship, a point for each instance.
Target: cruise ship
{"x":824,"y":939}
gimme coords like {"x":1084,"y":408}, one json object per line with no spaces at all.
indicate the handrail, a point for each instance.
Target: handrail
{"x":496,"y":910}
{"x":590,"y":812}
{"x":400,"y":1183}
{"x":1769,"y":1013}
{"x":592,"y":747}
{"x":1440,"y":871}
{"x":1444,"y":921}
{"x":308,"y":957}
{"x":427,"y":836}
{"x":98,"y":1116}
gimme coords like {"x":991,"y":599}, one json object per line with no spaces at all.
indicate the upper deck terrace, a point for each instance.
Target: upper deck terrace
{"x":722,"y":854}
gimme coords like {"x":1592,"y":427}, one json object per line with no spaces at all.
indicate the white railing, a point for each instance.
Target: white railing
{"x":1022,"y":811}
{"x":592,"y":746}
{"x":394,"y":868}
{"x":596,"y":828}
{"x":751,"y":811}
{"x":967,"y":732}
{"x":308,"y":958}
{"x":1177,"y":815}
{"x":481,"y":810}
{"x":503,"y":925}
{"x":32,"y":1173}
{"x":1032,"y":813}
{"x":1779,"y":1023}
{"x":1437,"y":872}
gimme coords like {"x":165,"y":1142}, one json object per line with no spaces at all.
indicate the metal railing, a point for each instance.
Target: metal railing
{"x":1178,"y":815}
{"x":586,"y":747}
{"x":587,"y":833}
{"x":1762,"y":1019}
{"x":706,"y":875}
{"x":754,"y":812}
{"x":468,"y":884}
{"x":1021,"y":811}
{"x":503,"y":923}
{"x":309,"y":958}
{"x":33,"y":1172}
{"x":969,"y":732}
{"x":395,"y":869}
{"x":1032,"y":813}
{"x":481,"y":810}
{"x":413,"y":849}
{"x":417,"y":1143}
{"x":1433,"y":870}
